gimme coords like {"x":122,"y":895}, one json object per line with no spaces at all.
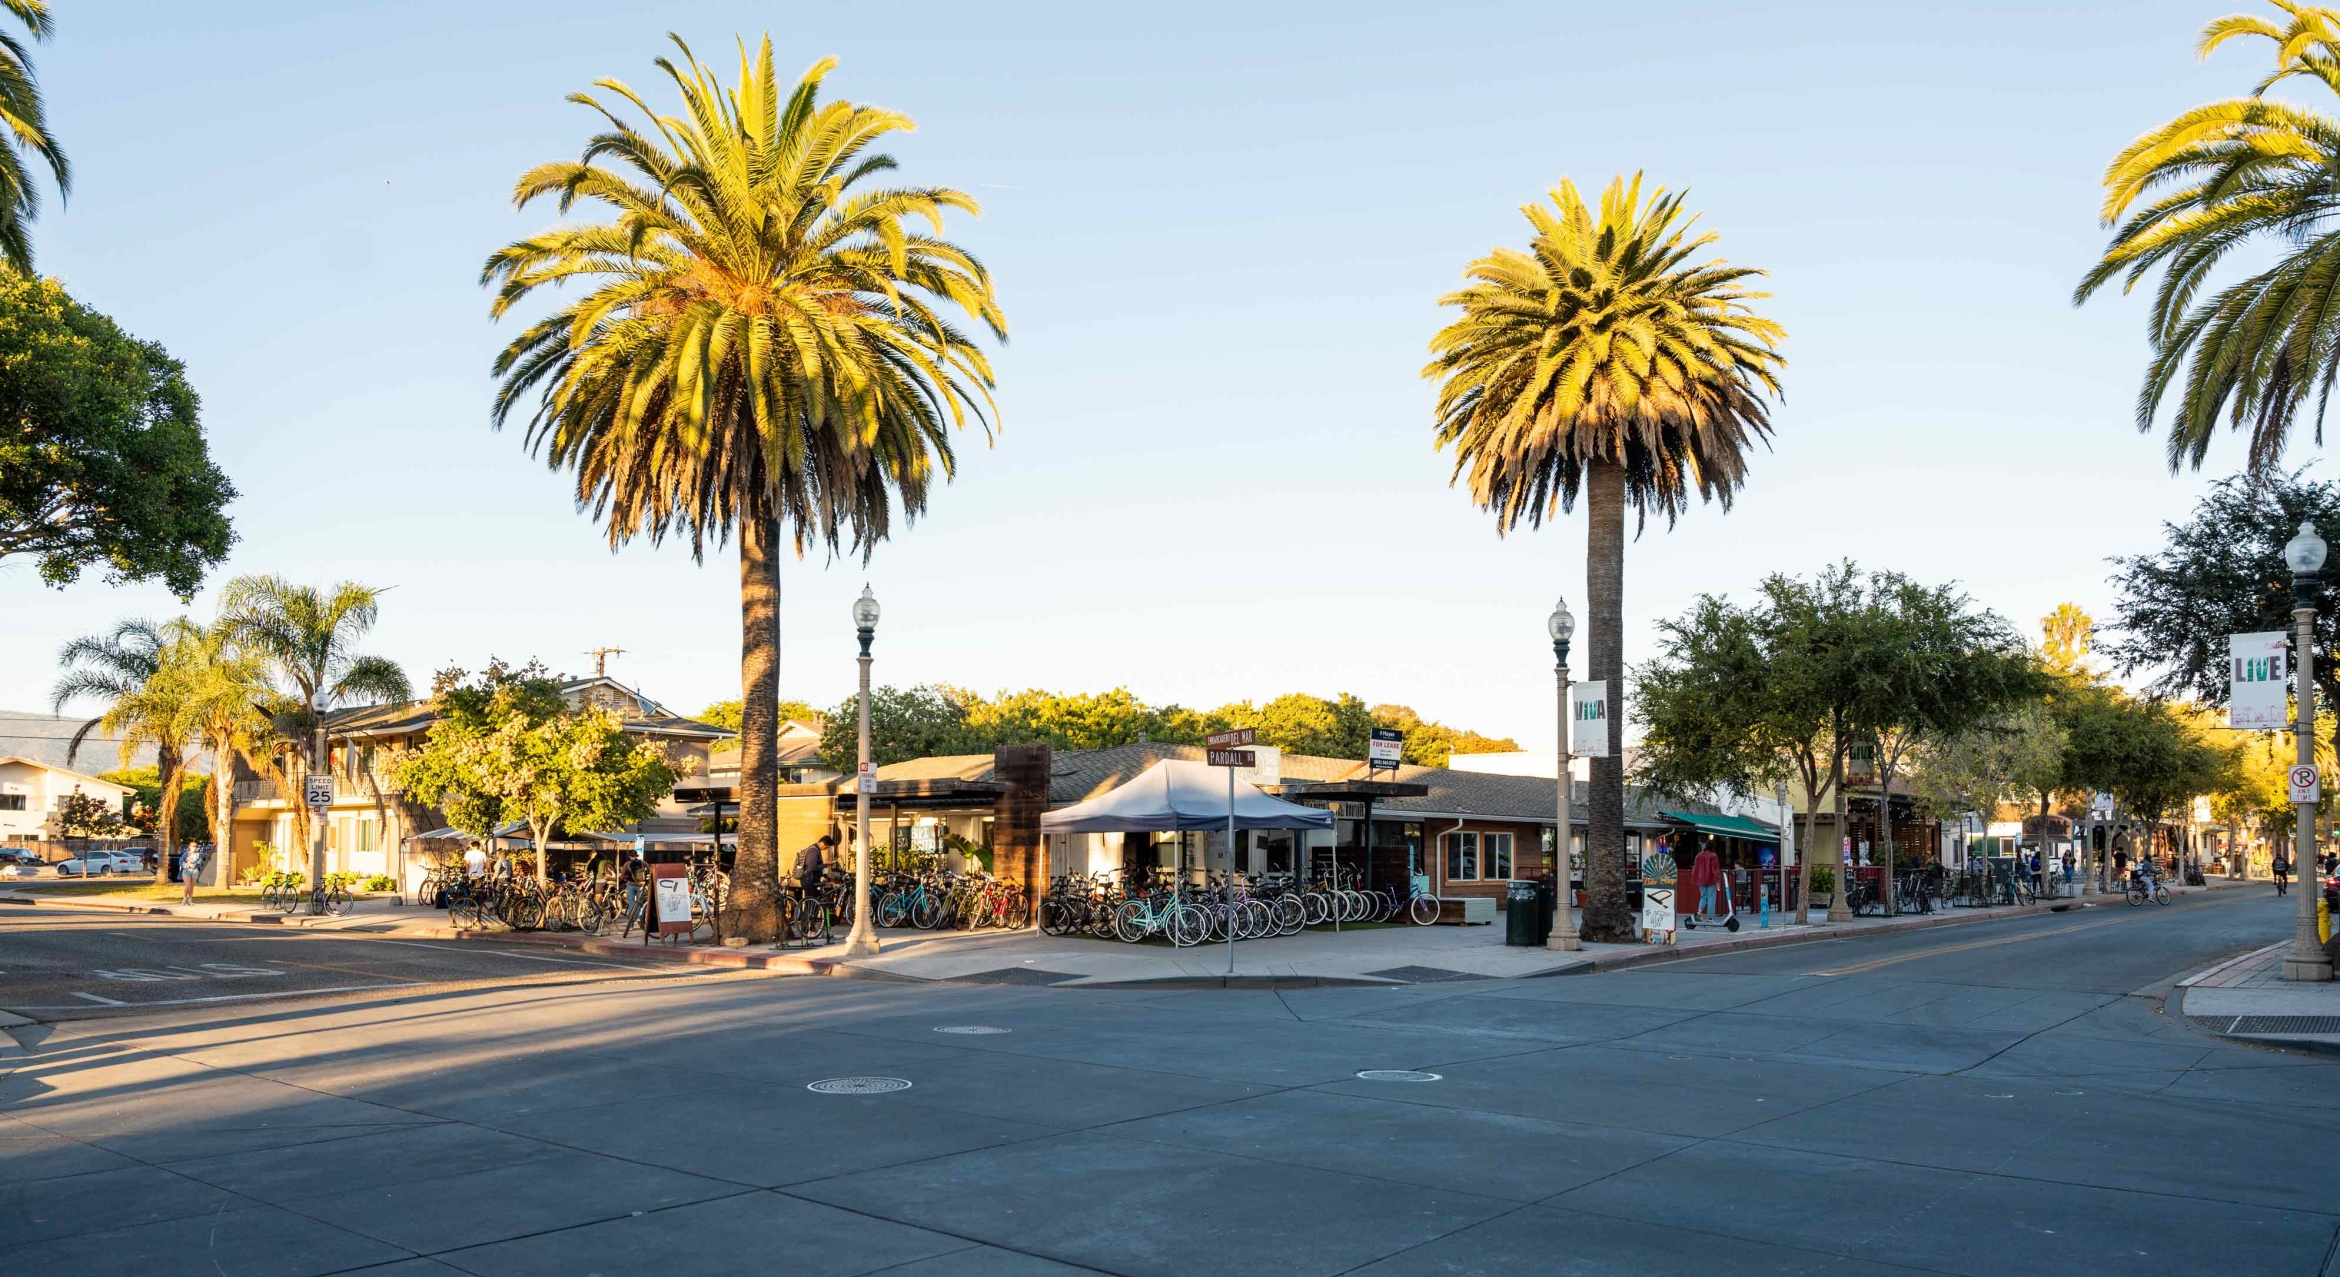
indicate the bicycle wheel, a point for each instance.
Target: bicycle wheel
{"x":2134,"y":892}
{"x":926,"y":915}
{"x":1259,"y":921}
{"x":1291,"y":915}
{"x":337,"y":900}
{"x":1017,"y":912}
{"x":1423,"y":911}
{"x":1132,"y":921}
{"x":2160,"y":894}
{"x":1189,"y":926}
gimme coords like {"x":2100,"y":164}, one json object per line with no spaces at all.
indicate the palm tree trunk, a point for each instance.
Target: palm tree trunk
{"x":755,"y":872}
{"x":167,"y":766}
{"x":1605,"y":916}
{"x":1884,"y":831}
{"x":223,"y":809}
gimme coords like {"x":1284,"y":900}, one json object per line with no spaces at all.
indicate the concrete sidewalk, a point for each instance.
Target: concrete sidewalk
{"x":378,"y":915}
{"x":2248,"y":998}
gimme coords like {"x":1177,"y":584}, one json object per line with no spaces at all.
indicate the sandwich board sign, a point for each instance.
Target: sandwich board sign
{"x":1588,"y":718}
{"x":2259,"y":680}
{"x":1657,"y":914}
{"x":670,"y":901}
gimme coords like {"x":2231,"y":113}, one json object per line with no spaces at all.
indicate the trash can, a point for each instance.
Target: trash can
{"x":1520,"y":915}
{"x":1547,"y":902}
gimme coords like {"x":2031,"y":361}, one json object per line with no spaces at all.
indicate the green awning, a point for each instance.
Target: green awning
{"x":1727,"y":826}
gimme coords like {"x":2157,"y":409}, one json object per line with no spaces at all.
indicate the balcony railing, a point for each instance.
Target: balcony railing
{"x":256,"y":791}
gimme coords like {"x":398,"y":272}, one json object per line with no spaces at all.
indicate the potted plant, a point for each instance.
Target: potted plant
{"x":1823,"y":886}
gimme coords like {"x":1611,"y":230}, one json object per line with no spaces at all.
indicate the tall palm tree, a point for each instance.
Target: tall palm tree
{"x":762,"y":346}
{"x":27,"y":125}
{"x":127,"y":669}
{"x":234,"y":713}
{"x":307,"y":638}
{"x":1603,"y":360}
{"x":2216,"y":178}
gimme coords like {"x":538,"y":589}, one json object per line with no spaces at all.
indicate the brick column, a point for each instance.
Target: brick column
{"x":1015,"y":831}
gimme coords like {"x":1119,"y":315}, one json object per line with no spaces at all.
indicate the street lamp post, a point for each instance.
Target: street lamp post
{"x":2305,"y":555}
{"x":1561,"y":625}
{"x":863,"y":941}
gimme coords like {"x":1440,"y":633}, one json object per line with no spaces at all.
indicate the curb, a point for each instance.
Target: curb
{"x":1656,"y":954}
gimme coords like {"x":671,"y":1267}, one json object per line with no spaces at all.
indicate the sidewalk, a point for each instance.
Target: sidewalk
{"x":2248,"y":998}
{"x":1358,"y":956}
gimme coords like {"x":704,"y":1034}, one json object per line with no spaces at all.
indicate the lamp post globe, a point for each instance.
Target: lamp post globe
{"x":1561,"y":625}
{"x":2304,"y":555}
{"x":862,"y":941}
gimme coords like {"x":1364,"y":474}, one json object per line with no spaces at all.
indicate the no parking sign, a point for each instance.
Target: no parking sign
{"x":2307,"y":785}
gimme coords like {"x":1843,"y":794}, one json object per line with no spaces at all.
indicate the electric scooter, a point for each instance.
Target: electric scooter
{"x":1729,"y":917}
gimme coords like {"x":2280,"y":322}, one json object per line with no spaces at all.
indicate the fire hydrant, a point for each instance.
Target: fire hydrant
{"x":2323,"y":919}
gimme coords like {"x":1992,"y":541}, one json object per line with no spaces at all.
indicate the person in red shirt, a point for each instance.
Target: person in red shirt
{"x":1706,"y":875}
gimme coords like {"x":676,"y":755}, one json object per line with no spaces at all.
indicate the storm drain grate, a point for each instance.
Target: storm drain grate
{"x":1423,"y":975}
{"x":1017,"y":975}
{"x":858,"y":1085}
{"x":2286,"y":1024}
{"x":1398,"y":1075}
{"x":971,"y":1030}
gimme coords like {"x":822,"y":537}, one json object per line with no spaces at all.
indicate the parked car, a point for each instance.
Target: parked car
{"x":19,"y":862}
{"x":100,"y":863}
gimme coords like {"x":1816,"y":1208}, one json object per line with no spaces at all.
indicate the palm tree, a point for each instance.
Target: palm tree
{"x":761,"y":343}
{"x":306,"y":637}
{"x":2214,"y":179}
{"x":26,"y":121}
{"x":234,"y":713}
{"x":1603,"y":360}
{"x":127,"y":669}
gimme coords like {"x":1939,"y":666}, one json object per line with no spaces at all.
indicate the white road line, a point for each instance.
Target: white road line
{"x":526,"y":957}
{"x":228,"y":997}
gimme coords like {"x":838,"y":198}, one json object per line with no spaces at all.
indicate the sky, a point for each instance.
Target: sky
{"x":1219,"y":233}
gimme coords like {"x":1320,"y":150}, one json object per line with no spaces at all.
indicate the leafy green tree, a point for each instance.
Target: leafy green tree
{"x":760,"y":343}
{"x":2222,"y":572}
{"x":2017,"y":753}
{"x":1931,"y":665}
{"x":450,"y":770}
{"x":573,"y":772}
{"x":919,"y":722}
{"x":1603,"y":360}
{"x":27,"y":137}
{"x":231,"y":710}
{"x":2242,"y":172}
{"x":146,"y":803}
{"x":727,"y":714}
{"x":102,"y":454}
{"x":81,"y":815}
{"x":307,"y":638}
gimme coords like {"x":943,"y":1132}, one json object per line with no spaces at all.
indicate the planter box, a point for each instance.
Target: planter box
{"x":1466,"y":911}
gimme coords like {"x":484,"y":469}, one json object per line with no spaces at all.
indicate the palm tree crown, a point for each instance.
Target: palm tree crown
{"x":25,"y":119}
{"x":132,"y":671}
{"x":307,"y":636}
{"x":764,"y":335}
{"x":1603,"y":342}
{"x":2207,"y":182}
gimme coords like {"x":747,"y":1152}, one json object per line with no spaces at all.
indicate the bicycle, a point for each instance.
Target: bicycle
{"x":2142,"y":887}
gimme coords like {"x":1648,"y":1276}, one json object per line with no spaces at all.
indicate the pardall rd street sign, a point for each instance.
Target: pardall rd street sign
{"x":1232,"y":739}
{"x":1230,"y":757}
{"x":2307,"y":785}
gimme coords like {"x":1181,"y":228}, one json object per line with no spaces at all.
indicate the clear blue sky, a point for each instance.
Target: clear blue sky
{"x":1219,"y":232}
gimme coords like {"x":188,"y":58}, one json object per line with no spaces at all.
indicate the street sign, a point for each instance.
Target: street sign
{"x":317,"y":789}
{"x":2258,"y":681}
{"x":1386,"y":749}
{"x":1232,"y":739}
{"x":2307,"y":785}
{"x":1588,"y":716}
{"x":869,"y":773}
{"x":1230,"y":757}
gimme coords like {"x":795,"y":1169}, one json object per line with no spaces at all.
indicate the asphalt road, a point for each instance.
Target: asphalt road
{"x":64,"y":964}
{"x":1999,"y":1099}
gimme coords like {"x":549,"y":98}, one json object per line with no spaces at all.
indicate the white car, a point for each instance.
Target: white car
{"x":100,"y":863}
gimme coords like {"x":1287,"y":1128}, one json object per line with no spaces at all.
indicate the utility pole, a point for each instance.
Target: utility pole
{"x":601,"y":657}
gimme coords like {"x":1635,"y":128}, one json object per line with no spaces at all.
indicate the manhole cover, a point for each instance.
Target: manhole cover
{"x":1397,"y":1075}
{"x":972,"y":1030}
{"x":859,"y":1085}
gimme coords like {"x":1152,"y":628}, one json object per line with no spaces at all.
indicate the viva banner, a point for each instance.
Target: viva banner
{"x":1588,"y":719}
{"x":2258,"y":671}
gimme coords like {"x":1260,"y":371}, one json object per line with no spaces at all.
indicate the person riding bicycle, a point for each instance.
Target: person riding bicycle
{"x":2282,"y":870}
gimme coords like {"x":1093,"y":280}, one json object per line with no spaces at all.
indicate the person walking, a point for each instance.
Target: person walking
{"x":2068,"y":866}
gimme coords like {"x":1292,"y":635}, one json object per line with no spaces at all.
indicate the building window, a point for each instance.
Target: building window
{"x":1462,"y":856}
{"x":1498,"y":851}
{"x":11,"y":802}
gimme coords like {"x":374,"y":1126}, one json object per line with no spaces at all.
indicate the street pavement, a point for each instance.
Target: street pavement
{"x":71,"y":964}
{"x":2003,"y":1098}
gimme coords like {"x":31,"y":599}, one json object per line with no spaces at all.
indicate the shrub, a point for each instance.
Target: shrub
{"x":381,"y":882}
{"x":1823,"y":880}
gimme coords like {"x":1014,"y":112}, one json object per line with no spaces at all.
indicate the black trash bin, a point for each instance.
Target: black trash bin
{"x":1520,"y":914}
{"x":1547,"y":902}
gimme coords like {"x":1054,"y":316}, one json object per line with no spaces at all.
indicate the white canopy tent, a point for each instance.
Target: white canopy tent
{"x":1177,"y":795}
